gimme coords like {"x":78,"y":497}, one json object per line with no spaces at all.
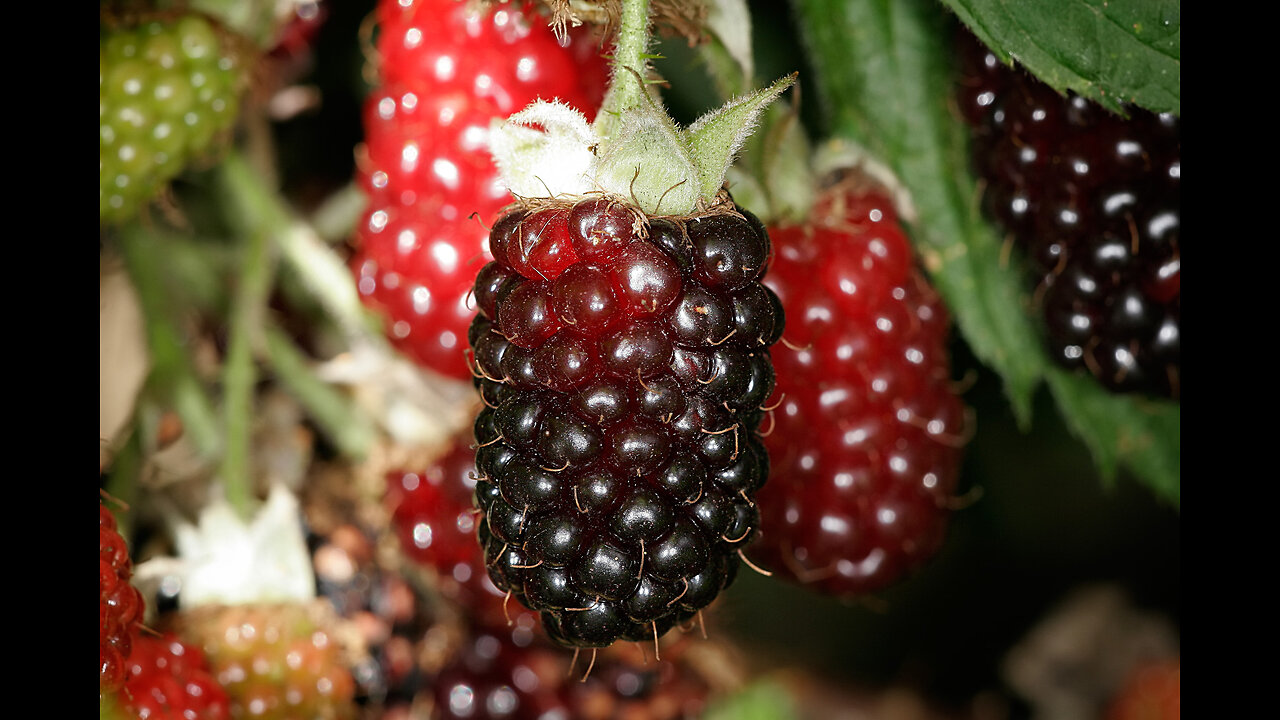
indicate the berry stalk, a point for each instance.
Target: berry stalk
{"x":626,"y":91}
{"x":304,"y":249}
{"x":246,"y":322}
{"x":635,"y":151}
{"x":270,"y":231}
{"x":350,"y":429}
{"x":171,"y":372}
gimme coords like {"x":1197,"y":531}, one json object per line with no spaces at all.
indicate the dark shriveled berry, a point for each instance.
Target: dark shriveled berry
{"x":625,"y":487}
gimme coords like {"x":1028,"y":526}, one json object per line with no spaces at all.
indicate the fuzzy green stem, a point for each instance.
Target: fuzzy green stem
{"x":724,"y":69}
{"x":171,"y":374}
{"x":626,"y":91}
{"x":346,"y":425}
{"x":260,"y":219}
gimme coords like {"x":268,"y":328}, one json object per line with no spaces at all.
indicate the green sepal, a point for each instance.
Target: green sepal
{"x":717,"y":136}
{"x":650,"y":162}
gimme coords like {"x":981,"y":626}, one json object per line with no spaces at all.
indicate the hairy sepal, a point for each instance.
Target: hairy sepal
{"x":545,"y":150}
{"x":650,"y":162}
{"x":228,"y":561}
{"x":548,"y":150}
{"x":716,"y":137}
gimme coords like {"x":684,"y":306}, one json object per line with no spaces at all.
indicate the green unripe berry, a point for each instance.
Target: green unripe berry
{"x":167,"y":89}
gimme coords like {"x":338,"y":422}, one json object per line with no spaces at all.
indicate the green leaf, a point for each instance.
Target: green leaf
{"x":1143,"y":435}
{"x":884,"y":77}
{"x":760,"y":701}
{"x":173,"y":376}
{"x":1110,"y":52}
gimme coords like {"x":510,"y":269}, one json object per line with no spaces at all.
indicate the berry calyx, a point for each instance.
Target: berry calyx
{"x":249,"y":603}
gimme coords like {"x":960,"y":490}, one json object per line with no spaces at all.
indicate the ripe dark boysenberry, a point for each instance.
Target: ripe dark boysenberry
{"x":865,"y":439}
{"x":624,"y":361}
{"x":1094,"y":201}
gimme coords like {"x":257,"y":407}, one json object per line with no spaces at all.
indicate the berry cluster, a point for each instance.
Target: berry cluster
{"x":1094,"y":200}
{"x":167,"y":88}
{"x":624,"y":362}
{"x":446,"y":72}
{"x":386,"y":622}
{"x":169,"y":680}
{"x":121,"y":605}
{"x":865,"y":443}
